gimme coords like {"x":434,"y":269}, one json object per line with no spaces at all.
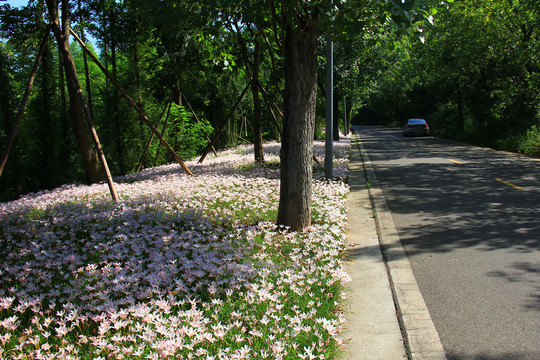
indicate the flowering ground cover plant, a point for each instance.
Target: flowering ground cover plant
{"x":181,"y":267}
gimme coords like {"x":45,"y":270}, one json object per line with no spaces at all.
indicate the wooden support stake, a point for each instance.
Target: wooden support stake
{"x":163,"y":132}
{"x":24,"y":101}
{"x":216,"y":136}
{"x":272,"y":106}
{"x":69,"y":66}
{"x":244,"y":140}
{"x":142,"y":115}
{"x":143,"y":156}
{"x":271,"y":103}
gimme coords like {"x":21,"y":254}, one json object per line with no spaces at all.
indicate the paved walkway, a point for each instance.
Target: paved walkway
{"x":386,"y":315}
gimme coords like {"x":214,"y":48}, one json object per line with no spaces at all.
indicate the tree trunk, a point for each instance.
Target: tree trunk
{"x":349,"y":113}
{"x":257,"y":121}
{"x":176,"y":92}
{"x":299,"y":124}
{"x":89,"y":155}
{"x":460,"y":111}
{"x":47,"y":138}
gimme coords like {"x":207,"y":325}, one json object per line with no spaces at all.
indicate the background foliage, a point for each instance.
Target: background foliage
{"x":469,"y":67}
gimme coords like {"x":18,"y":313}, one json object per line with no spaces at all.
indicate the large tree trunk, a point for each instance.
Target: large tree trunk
{"x":299,"y":123}
{"x":89,"y":155}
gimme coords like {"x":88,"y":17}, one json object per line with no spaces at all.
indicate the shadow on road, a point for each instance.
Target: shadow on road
{"x":469,"y":221}
{"x":458,"y":205}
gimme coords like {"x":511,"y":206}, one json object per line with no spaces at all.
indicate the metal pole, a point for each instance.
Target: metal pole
{"x":329,"y":145}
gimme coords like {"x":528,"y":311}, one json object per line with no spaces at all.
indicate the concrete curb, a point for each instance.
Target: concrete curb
{"x":419,"y":334}
{"x":372,"y":331}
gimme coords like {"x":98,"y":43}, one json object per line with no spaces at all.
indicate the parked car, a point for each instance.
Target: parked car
{"x":416,"y":127}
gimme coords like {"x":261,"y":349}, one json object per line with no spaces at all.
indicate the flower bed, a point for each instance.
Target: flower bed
{"x":180,"y":267}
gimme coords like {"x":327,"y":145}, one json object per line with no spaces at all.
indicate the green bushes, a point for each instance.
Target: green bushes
{"x":530,"y":143}
{"x":188,"y":135}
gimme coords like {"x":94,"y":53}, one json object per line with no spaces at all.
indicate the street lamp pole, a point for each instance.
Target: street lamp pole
{"x":329,"y":145}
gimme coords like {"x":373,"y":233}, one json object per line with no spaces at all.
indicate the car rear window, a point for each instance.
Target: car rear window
{"x":417,"y":121}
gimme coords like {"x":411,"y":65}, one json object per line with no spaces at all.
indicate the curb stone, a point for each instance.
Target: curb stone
{"x":371,"y":330}
{"x":419,"y":334}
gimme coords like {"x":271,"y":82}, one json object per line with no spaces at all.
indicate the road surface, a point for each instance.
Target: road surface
{"x":469,"y":221}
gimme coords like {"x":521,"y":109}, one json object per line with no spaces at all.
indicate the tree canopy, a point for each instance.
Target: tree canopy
{"x":471,"y":70}
{"x":469,"y":67}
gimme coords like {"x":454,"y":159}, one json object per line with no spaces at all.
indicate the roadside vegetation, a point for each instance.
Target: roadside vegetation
{"x":181,"y":266}
{"x":471,"y":70}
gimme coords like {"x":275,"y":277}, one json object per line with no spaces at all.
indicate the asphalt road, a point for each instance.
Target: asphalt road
{"x":469,"y":221}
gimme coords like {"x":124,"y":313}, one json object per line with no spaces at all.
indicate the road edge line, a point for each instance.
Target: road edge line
{"x":419,"y":334}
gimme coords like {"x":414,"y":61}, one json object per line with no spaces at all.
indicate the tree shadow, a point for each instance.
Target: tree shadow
{"x":475,"y":213}
{"x":108,"y":257}
{"x":466,"y":204}
{"x":486,"y":356}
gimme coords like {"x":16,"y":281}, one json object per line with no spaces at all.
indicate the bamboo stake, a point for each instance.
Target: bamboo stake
{"x":216,"y":136}
{"x":24,"y":101}
{"x":69,"y":66}
{"x":163,"y":132}
{"x":143,"y":156}
{"x":142,"y":115}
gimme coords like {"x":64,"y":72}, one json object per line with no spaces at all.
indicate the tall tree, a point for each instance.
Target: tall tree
{"x":299,"y":122}
{"x":252,"y":68}
{"x":302,"y":23}
{"x":297,"y":25}
{"x":88,"y":153}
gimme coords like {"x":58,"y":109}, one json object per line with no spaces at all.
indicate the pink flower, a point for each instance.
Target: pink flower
{"x":5,"y":302}
{"x":10,"y":323}
{"x":5,"y":338}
